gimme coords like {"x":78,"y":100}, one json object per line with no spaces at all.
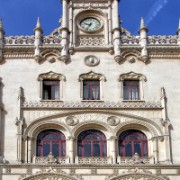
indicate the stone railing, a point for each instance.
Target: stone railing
{"x":19,"y":40}
{"x":162,"y":40}
{"x":50,"y":160}
{"x":130,"y":40}
{"x":29,"y":40}
{"x":51,"y":39}
{"x":93,"y":160}
{"x":134,"y":160}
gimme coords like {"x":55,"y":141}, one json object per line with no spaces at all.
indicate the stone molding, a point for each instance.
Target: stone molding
{"x":92,"y":76}
{"x":79,"y":105}
{"x":132,"y":76}
{"x":51,"y":76}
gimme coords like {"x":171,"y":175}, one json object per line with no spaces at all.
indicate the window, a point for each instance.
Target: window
{"x":92,"y":143}
{"x":131,"y":142}
{"x":92,"y":86}
{"x":50,"y":90}
{"x":51,"y":141}
{"x":91,"y":90}
{"x":131,"y":90}
{"x":132,"y":86}
{"x":51,"y":86}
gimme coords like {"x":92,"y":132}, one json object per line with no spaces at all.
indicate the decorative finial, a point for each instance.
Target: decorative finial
{"x":38,"y":25}
{"x":142,"y":25}
{"x":178,"y":30}
{"x":1,"y":27}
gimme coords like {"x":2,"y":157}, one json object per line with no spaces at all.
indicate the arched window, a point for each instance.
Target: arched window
{"x":91,"y":143}
{"x":51,"y":141}
{"x":131,"y":142}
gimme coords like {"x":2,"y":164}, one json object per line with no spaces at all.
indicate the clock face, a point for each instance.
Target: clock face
{"x":90,"y":24}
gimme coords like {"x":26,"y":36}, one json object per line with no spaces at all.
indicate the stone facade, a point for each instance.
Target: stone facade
{"x":71,"y":55}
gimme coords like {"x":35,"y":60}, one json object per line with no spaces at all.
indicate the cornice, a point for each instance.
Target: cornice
{"x":91,"y":166}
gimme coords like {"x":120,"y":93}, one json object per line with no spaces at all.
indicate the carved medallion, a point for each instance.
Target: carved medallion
{"x":113,"y":120}
{"x":91,"y":61}
{"x":71,"y":121}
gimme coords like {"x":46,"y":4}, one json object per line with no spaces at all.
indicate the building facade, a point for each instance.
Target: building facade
{"x":89,"y":100}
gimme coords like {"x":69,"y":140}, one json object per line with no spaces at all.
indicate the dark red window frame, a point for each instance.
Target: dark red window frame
{"x":51,"y":141}
{"x":131,"y":90}
{"x":92,"y":143}
{"x":131,"y":142}
{"x":91,"y":90}
{"x":50,"y":88}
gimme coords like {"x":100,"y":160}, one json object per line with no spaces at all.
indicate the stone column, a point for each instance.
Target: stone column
{"x":64,"y":32}
{"x":155,"y":149}
{"x":113,"y":148}
{"x":71,"y":148}
{"x":30,"y":149}
{"x":143,"y":40}
{"x":116,"y":32}
{"x":110,"y":22}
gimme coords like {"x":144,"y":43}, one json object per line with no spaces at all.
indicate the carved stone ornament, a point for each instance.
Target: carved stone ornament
{"x":71,"y":121}
{"x":113,"y":120}
{"x":91,"y":61}
{"x":92,"y":76}
{"x":51,"y":75}
{"x":132,"y":76}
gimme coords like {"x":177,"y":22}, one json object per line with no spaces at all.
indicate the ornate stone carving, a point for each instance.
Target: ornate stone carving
{"x":50,"y":159}
{"x":94,"y":160}
{"x":51,"y":75}
{"x":162,"y":40}
{"x":113,"y":120}
{"x":132,"y":76}
{"x":135,"y":159}
{"x":91,"y":41}
{"x":92,"y":76}
{"x":19,"y":40}
{"x":69,"y":105}
{"x":71,"y":120}
{"x":91,"y":61}
{"x":137,"y":171}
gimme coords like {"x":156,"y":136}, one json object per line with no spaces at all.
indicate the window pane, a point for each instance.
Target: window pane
{"x":86,"y":90}
{"x":128,"y":149}
{"x":55,"y":92}
{"x":80,"y":149}
{"x":63,"y":149}
{"x":96,"y":149}
{"x":145,"y":149}
{"x":39,"y":149}
{"x":87,"y":149}
{"x":91,"y":90}
{"x":50,"y":89}
{"x":137,"y":148}
{"x":55,"y":149}
{"x":46,"y":148}
{"x":131,"y":90}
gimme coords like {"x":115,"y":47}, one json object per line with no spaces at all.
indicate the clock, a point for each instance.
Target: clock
{"x":90,"y":24}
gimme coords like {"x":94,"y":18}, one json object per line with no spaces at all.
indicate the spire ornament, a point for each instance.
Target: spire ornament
{"x":178,"y":34}
{"x":38,"y":35}
{"x":2,"y":32}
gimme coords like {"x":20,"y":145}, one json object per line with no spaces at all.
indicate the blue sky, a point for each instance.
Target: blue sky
{"x":19,"y":16}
